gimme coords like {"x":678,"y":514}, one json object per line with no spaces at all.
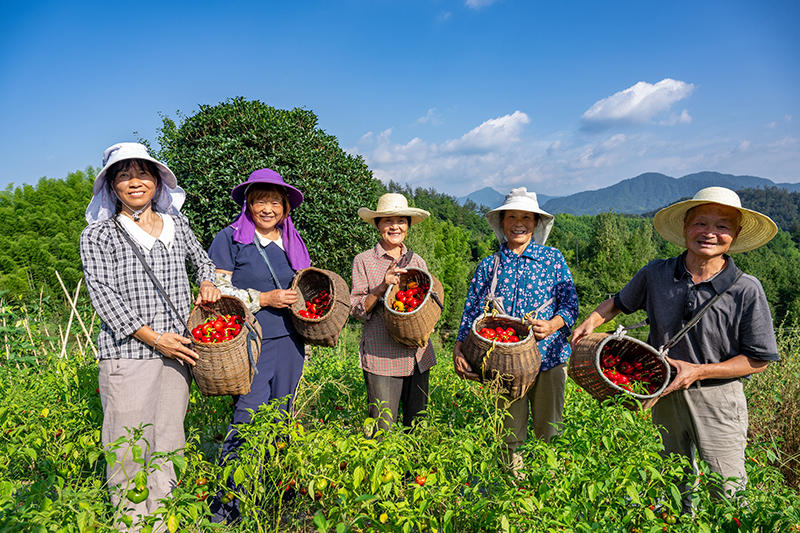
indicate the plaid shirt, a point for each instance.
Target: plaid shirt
{"x":380,"y":354}
{"x":124,"y":295}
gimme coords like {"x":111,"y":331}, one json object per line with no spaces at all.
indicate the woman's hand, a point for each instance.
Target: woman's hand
{"x":176,"y":346}
{"x":460,"y":364}
{"x":279,"y":298}
{"x":392,"y":276}
{"x":544,"y":328}
{"x":208,"y":294}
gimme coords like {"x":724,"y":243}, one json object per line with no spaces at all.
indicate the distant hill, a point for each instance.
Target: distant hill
{"x":652,"y":190}
{"x":491,"y":198}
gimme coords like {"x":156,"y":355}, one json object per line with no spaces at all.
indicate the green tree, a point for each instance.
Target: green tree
{"x":219,"y":146}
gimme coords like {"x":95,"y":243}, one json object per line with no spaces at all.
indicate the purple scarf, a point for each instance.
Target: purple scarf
{"x":244,"y":231}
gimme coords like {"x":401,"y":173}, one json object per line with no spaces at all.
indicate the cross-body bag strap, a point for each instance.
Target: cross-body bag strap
{"x":263,"y":253}
{"x":150,"y":273}
{"x":678,"y":336}
{"x":492,"y":298}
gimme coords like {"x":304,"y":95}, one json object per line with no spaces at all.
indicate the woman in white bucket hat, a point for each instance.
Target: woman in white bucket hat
{"x":143,"y":349}
{"x":533,"y":280}
{"x":394,"y":374}
{"x":704,"y":409}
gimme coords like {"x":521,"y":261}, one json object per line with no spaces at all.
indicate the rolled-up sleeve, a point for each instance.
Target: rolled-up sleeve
{"x":100,"y":273}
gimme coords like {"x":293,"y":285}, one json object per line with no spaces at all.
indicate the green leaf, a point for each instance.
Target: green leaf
{"x":358,"y":476}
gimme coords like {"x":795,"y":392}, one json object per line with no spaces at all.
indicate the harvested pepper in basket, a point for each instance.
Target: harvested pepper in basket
{"x":408,"y":299}
{"x":317,"y":306}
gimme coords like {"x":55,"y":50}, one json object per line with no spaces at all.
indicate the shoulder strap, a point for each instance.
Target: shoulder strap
{"x":405,"y":260}
{"x":150,"y":273}
{"x":492,"y":298}
{"x":263,"y":253}
{"x":678,"y":336}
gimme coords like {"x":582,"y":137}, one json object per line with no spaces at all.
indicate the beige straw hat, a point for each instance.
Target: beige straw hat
{"x":522,"y":200}
{"x":757,"y":229}
{"x":393,"y":205}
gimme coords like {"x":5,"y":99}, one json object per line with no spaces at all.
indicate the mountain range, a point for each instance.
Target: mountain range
{"x":635,"y":196}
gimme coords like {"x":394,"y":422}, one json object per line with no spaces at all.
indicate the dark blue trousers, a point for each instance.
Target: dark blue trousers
{"x":280,"y":366}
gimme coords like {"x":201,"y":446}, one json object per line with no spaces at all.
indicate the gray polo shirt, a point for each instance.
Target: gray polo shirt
{"x":739,"y":323}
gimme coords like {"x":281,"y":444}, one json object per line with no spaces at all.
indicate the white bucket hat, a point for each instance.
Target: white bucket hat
{"x":757,"y":229}
{"x":393,"y":205}
{"x":169,"y":199}
{"x":521,"y":200}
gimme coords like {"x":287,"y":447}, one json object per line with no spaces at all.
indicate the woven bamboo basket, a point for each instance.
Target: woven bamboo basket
{"x":226,"y":367}
{"x":585,"y":366}
{"x":308,"y":283}
{"x":515,"y":364}
{"x":414,"y":328}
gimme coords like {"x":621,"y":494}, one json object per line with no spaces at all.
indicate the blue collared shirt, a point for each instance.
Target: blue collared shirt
{"x":525,"y":282}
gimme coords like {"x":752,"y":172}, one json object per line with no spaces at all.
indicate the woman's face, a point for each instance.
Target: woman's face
{"x":393,"y":230}
{"x":518,"y":227}
{"x":135,"y":186}
{"x":267,"y":212}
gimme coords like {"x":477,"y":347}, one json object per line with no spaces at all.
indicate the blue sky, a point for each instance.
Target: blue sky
{"x":558,"y":96}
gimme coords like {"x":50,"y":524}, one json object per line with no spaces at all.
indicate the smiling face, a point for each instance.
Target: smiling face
{"x":393,"y":231}
{"x":711,"y":229}
{"x":134,"y":183}
{"x":267,"y":207}
{"x":518,"y":227}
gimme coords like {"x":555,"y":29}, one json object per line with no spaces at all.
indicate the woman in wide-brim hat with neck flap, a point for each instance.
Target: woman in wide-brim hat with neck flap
{"x":394,"y":374}
{"x":257,"y":257}
{"x":533,"y":281}
{"x":144,"y":353}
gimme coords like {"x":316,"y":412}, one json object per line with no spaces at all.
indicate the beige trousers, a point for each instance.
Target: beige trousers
{"x":135,"y":392}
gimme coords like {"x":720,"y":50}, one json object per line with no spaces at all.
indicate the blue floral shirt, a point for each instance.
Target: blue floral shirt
{"x":525,"y":282}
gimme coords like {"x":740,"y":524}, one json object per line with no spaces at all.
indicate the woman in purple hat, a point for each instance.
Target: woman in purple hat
{"x":256,"y":258}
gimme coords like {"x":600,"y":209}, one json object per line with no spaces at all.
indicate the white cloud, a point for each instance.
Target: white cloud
{"x":744,"y":145}
{"x":492,"y":134}
{"x":555,"y":147}
{"x":788,"y":118}
{"x":477,"y":4}
{"x":444,"y":16}
{"x":683,"y":118}
{"x":771,"y":125}
{"x":430,"y":117}
{"x":638,"y":105}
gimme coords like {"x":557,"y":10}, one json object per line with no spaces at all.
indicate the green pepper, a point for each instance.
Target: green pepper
{"x":138,"y":495}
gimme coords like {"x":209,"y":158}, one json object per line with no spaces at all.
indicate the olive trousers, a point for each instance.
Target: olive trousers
{"x":151,"y":392}
{"x":543,"y":404}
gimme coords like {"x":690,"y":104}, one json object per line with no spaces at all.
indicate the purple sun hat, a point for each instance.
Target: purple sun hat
{"x":244,"y":229}
{"x":267,"y":176}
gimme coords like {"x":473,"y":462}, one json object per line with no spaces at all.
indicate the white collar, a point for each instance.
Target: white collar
{"x":146,"y":240}
{"x":265,"y":242}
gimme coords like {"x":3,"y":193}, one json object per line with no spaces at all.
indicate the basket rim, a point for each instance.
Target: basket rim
{"x":657,"y":353}
{"x":424,"y":301}
{"x":474,"y":329}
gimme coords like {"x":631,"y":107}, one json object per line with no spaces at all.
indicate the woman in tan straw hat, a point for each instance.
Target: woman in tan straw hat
{"x":704,"y":409}
{"x":394,"y":374}
{"x":533,"y":281}
{"x":144,"y":350}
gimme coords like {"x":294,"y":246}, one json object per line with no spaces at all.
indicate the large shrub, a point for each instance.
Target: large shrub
{"x":219,"y":146}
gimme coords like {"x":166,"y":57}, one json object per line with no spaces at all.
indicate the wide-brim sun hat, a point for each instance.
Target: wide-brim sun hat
{"x":393,"y":205}
{"x":521,"y":200}
{"x":123,"y":151}
{"x":757,"y":229}
{"x":267,"y":176}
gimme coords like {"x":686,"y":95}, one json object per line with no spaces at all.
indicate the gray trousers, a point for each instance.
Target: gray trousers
{"x":389,"y":392}
{"x":713,"y":421}
{"x":135,"y":392}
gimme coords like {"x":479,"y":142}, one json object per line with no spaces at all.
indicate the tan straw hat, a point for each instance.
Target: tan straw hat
{"x":757,"y":229}
{"x":393,"y":205}
{"x":521,"y":200}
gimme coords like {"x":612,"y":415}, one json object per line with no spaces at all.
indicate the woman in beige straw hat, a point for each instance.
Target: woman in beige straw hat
{"x":394,"y":374}
{"x":704,"y":408}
